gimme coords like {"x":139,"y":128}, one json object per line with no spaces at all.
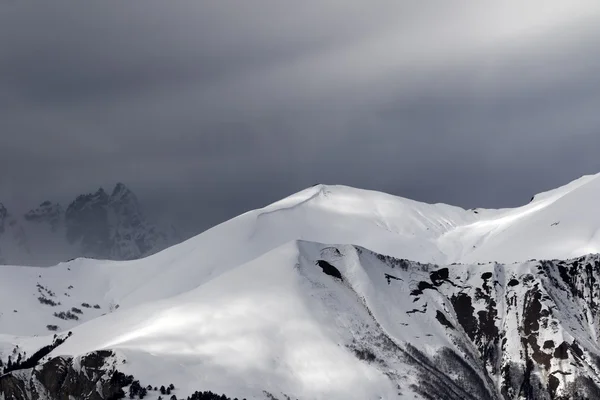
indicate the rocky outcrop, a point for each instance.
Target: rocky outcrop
{"x":530,"y":327}
{"x":90,"y":377}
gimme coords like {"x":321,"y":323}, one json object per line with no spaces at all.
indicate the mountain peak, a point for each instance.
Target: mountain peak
{"x":46,"y":212}
{"x":100,"y":191}
{"x":95,"y":225}
{"x":120,"y":189}
{"x":85,"y":200}
{"x":122,"y":194}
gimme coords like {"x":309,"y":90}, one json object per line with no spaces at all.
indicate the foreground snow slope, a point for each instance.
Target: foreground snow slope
{"x":315,"y":321}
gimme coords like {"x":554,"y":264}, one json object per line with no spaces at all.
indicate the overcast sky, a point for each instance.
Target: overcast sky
{"x":209,"y":108}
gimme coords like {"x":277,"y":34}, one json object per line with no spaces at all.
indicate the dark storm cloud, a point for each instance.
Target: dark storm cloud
{"x":207,"y":109}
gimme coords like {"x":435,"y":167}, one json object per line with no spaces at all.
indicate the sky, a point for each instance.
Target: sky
{"x":208,"y":109}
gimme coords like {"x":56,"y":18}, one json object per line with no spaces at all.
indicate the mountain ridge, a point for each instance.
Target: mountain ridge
{"x":97,"y":225}
{"x":334,"y":293}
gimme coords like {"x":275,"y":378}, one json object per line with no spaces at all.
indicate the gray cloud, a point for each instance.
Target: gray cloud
{"x":207,"y":109}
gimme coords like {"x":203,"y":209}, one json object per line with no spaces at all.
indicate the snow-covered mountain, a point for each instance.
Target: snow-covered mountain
{"x":331,"y":293}
{"x":97,"y":225}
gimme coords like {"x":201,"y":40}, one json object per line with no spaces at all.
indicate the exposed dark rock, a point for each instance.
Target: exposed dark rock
{"x":95,"y":378}
{"x":562,"y":351}
{"x":553,"y":383}
{"x":443,"y":320}
{"x":577,"y":350}
{"x":464,"y":310}
{"x":389,"y":278}
{"x":421,"y":286}
{"x":439,"y":276}
{"x":549,"y":344}
{"x":532,"y":311}
{"x":14,"y":387}
{"x":513,"y":282}
{"x":329,"y":269}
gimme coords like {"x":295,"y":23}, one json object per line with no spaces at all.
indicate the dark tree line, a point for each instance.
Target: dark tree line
{"x":136,"y":390}
{"x":167,"y":390}
{"x":208,"y":395}
{"x":66,"y":315}
{"x":32,"y":361}
{"x":49,"y":302}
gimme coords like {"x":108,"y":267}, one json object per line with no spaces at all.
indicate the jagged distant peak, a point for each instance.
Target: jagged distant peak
{"x":98,"y":224}
{"x":46,"y":212}
{"x":120,"y":189}
{"x":45,"y":208}
{"x":100,"y":193}
{"x":84,"y":200}
{"x":122,"y":194}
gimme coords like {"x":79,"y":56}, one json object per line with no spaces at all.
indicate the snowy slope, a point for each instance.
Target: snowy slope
{"x":560,"y":224}
{"x":317,"y":321}
{"x":257,"y":305}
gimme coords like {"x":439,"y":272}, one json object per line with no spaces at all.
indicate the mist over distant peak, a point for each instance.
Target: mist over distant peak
{"x":95,"y":225}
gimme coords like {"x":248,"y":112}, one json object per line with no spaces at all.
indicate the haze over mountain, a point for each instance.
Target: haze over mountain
{"x":331,"y":293}
{"x":98,"y":225}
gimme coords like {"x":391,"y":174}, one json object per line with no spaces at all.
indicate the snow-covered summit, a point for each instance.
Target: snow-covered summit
{"x":558,"y":224}
{"x":97,"y":225}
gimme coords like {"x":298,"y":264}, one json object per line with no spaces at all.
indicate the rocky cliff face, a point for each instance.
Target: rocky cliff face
{"x":518,"y":331}
{"x":90,"y":377}
{"x":96,"y":225}
{"x":94,"y":376}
